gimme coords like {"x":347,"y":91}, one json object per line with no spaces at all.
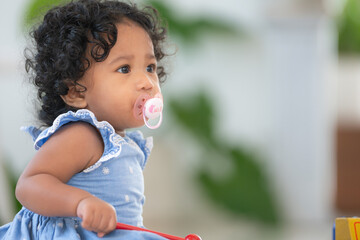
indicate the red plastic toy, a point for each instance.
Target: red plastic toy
{"x":170,"y":237}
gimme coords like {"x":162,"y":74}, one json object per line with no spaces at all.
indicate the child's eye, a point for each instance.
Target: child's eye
{"x":124,"y":69}
{"x":151,"y":68}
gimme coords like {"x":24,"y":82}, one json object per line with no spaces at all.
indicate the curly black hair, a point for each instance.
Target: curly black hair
{"x":62,"y":39}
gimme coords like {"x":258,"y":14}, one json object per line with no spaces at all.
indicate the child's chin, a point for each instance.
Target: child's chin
{"x":139,"y":123}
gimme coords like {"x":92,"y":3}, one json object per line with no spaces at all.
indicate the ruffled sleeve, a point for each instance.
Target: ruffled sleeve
{"x":33,"y":131}
{"x":112,"y":141}
{"x":145,"y":144}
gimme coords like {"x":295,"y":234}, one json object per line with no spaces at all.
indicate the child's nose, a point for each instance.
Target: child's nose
{"x":145,"y":82}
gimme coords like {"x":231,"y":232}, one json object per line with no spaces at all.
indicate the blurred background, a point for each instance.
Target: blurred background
{"x":262,"y":121}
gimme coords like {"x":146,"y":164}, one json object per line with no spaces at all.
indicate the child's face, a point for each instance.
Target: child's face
{"x":114,"y":85}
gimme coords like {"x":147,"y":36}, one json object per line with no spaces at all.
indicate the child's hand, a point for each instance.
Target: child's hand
{"x":97,"y":215}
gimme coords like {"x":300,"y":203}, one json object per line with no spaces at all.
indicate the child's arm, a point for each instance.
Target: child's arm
{"x":42,"y":186}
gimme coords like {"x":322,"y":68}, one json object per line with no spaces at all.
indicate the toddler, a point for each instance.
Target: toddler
{"x":95,"y":65}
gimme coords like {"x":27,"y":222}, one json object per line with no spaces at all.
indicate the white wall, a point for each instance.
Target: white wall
{"x":304,"y":113}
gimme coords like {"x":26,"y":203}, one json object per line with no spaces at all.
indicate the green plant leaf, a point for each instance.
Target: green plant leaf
{"x":244,"y":190}
{"x":192,"y":29}
{"x":348,"y":28}
{"x":189,"y":30}
{"x":37,"y":8}
{"x":195,"y":114}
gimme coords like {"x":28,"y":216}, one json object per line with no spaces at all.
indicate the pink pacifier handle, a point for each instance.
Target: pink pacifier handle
{"x":153,"y":127}
{"x":170,"y":237}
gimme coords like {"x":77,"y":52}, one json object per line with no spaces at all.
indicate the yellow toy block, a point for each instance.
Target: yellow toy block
{"x":347,"y":228}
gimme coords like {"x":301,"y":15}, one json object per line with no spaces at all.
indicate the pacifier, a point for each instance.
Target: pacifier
{"x":150,"y":108}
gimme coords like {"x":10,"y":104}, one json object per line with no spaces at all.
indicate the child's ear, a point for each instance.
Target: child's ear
{"x":75,"y":97}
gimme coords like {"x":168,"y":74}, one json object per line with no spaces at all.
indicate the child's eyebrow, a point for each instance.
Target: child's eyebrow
{"x":150,"y":56}
{"x":129,"y":57}
{"x":126,"y":57}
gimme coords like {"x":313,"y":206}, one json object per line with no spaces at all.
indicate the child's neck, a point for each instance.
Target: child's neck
{"x":121,"y":133}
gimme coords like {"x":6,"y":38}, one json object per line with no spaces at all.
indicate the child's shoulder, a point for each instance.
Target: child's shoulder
{"x":79,"y":127}
{"x":80,"y":133}
{"x":78,"y":141}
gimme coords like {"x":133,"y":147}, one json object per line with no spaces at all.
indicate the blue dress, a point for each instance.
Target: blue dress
{"x":116,"y":178}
